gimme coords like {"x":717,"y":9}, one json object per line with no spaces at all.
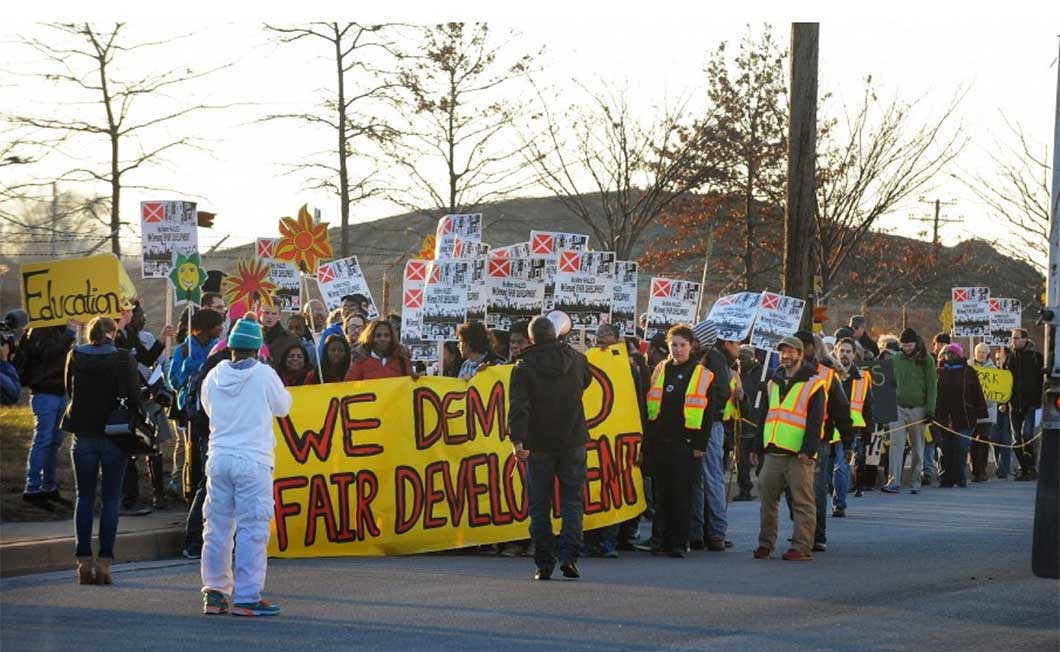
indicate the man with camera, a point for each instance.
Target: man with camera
{"x":10,"y":331}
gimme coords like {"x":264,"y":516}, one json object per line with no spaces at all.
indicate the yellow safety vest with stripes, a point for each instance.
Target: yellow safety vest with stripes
{"x":732,"y":406}
{"x":859,"y":389}
{"x":695,"y":396}
{"x":785,"y":424}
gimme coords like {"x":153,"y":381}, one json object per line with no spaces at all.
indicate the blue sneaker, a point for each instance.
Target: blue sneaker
{"x":214,"y":603}
{"x":260,"y":608}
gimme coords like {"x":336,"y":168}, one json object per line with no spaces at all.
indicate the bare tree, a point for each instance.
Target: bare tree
{"x":616,"y":175}
{"x":458,"y":98}
{"x":348,"y":110}
{"x":82,"y":58}
{"x":868,"y":165}
{"x":1017,"y":192}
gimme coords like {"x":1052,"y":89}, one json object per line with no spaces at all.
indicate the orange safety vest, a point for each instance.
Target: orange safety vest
{"x":785,"y":424}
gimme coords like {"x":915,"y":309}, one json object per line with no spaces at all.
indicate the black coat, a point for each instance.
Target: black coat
{"x":960,"y":403}
{"x":545,"y":398}
{"x":93,"y":382}
{"x":1026,"y":366}
{"x":41,"y":359}
{"x":669,"y":427}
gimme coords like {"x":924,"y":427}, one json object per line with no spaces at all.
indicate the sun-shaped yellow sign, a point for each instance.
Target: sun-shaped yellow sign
{"x":303,"y":243}
{"x":250,"y":282}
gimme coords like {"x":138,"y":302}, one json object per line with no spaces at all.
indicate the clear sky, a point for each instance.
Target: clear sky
{"x":1005,"y":62}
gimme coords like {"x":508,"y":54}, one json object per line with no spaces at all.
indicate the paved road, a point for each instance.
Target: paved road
{"x":945,"y":571}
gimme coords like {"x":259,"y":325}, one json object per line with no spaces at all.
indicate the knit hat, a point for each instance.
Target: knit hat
{"x":843,"y":331}
{"x":246,"y":334}
{"x":706,"y":333}
{"x":907,"y":336}
{"x":955,"y":348}
{"x":857,"y":321}
{"x":793,"y":342}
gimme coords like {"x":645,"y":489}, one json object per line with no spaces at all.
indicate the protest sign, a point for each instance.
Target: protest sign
{"x":56,"y":291}
{"x":464,"y":249}
{"x":187,"y":277}
{"x":996,"y":383}
{"x":284,"y":275}
{"x":778,"y":317}
{"x":477,"y":291}
{"x":549,"y":243}
{"x":303,"y":242}
{"x":445,"y":299}
{"x":517,"y":250}
{"x":734,"y":315}
{"x":516,"y":290}
{"x":339,"y":278}
{"x":467,"y":226}
{"x":396,"y":466}
{"x":1005,"y":315}
{"x":624,"y":301}
{"x":413,"y":282}
{"x":971,"y":312}
{"x":874,"y":449}
{"x":671,"y":302}
{"x":166,"y":228}
{"x":250,"y":285}
{"x":884,"y":390}
{"x":585,"y":286}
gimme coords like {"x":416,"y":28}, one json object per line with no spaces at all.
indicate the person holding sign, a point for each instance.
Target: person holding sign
{"x":959,"y":406}
{"x":677,"y":438}
{"x":546,"y":421}
{"x":790,"y":438}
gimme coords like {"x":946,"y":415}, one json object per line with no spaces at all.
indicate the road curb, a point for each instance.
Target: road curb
{"x":46,"y":555}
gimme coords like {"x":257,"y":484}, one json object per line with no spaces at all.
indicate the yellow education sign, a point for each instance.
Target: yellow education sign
{"x":996,"y":383}
{"x":56,"y":291}
{"x":396,"y":466}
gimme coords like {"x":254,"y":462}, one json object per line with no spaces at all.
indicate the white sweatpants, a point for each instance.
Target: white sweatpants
{"x":238,"y":504}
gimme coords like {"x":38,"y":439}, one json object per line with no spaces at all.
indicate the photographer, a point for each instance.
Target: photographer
{"x":10,"y":331}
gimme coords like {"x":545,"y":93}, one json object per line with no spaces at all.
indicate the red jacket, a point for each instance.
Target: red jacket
{"x":371,"y":368}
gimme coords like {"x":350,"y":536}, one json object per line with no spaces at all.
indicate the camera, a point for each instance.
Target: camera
{"x":12,"y":326}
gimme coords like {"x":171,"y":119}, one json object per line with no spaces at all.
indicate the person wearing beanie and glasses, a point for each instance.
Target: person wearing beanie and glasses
{"x":709,"y":519}
{"x":239,"y":498}
{"x":914,"y":371}
{"x":791,"y":435}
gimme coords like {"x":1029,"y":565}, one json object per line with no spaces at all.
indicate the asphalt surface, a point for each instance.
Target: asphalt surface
{"x":948,"y":570}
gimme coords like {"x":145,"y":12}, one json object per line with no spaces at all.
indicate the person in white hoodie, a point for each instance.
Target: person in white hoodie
{"x":242,"y":397}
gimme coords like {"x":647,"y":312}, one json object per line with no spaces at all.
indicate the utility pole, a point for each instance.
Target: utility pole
{"x":937,"y":220}
{"x":800,"y":251}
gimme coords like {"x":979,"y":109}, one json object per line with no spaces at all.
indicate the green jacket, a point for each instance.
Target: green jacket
{"x":917,"y":386}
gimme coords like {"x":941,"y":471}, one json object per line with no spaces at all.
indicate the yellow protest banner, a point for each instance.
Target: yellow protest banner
{"x":396,"y":466}
{"x":56,"y":291}
{"x":996,"y":383}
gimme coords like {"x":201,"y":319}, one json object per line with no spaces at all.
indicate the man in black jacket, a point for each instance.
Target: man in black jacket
{"x":750,"y":378}
{"x":41,"y":363}
{"x":1026,"y":364}
{"x":546,"y":422}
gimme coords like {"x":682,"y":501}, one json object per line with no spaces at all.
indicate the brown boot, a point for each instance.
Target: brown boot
{"x":84,"y":570}
{"x":103,"y":572}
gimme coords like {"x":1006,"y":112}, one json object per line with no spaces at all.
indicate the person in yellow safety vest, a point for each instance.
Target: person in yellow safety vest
{"x":857,"y":383}
{"x":676,"y":438}
{"x":790,"y":441}
{"x":837,"y":415}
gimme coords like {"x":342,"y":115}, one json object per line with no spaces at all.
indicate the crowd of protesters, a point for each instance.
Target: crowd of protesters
{"x":709,"y":411}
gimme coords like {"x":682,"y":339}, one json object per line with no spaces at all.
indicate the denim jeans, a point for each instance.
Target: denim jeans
{"x":1001,"y":433}
{"x":545,"y":467}
{"x":954,"y":458}
{"x":89,"y":454}
{"x":193,"y":526}
{"x":1023,"y":431}
{"x":47,"y":439}
{"x":931,"y":469}
{"x":840,"y":477}
{"x":708,"y":490}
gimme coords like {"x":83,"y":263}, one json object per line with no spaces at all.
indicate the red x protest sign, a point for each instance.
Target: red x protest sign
{"x":995,"y":305}
{"x":414,"y":298}
{"x":500,"y":268}
{"x":416,"y":270}
{"x":542,"y":244}
{"x":570,"y":262}
{"x":325,"y":274}
{"x":660,"y":288}
{"x":154,"y":212}
{"x":266,"y":248}
{"x":960,"y":295}
{"x":770,"y":301}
